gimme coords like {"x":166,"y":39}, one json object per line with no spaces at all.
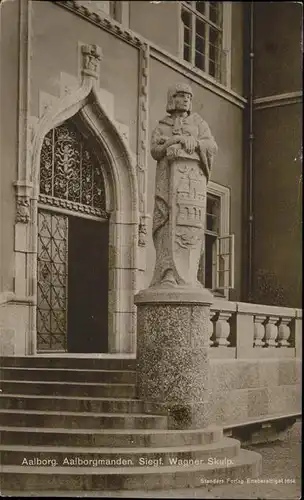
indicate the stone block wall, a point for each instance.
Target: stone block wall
{"x":15,"y":328}
{"x":252,"y":389}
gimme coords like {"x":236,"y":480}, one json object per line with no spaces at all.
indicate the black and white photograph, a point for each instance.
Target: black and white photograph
{"x":151,"y":249}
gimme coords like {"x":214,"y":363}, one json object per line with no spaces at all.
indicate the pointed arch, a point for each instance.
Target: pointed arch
{"x":86,"y":104}
{"x":85,"y":108}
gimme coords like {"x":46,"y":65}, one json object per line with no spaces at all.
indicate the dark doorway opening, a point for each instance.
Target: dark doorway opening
{"x":88,"y":243}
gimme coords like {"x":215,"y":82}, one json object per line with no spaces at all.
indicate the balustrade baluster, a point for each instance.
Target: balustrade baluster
{"x":284,"y":332}
{"x":259,"y":330}
{"x":271,"y":331}
{"x":222,"y":328}
{"x":212,"y":329}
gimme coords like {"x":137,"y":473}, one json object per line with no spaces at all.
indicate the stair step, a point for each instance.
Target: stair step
{"x":69,"y":403}
{"x":68,"y":375}
{"x":246,"y":464}
{"x":80,"y":417}
{"x":162,"y":456}
{"x":68,"y":388}
{"x":84,"y":420}
{"x":117,"y":438}
{"x":90,"y":363}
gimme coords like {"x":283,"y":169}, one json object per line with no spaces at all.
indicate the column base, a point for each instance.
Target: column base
{"x":172,"y":353}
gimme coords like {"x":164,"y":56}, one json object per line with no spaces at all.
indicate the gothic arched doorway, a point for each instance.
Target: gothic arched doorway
{"x":73,"y":241}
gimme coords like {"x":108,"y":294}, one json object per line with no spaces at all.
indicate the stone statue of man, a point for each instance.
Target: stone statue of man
{"x":181,"y":142}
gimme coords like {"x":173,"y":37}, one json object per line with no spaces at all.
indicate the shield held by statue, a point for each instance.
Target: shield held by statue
{"x":187,"y":216}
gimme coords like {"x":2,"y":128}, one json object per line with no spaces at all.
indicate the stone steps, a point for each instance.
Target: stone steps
{"x":83,"y":420}
{"x":15,"y":454}
{"x":86,"y":363}
{"x":68,"y":375}
{"x":162,"y":456}
{"x":63,"y":409}
{"x":116,"y":438}
{"x":246,"y":464}
{"x":70,"y":403}
{"x":68,"y":388}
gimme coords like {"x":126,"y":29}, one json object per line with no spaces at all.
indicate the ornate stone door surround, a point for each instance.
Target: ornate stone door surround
{"x":122,"y":205}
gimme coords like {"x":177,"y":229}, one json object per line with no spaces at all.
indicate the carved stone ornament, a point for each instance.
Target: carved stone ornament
{"x":92,"y":55}
{"x":184,"y":148}
{"x":142,"y":233}
{"x":23,"y":209}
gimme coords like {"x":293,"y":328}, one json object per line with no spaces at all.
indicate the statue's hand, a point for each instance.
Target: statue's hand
{"x":189,"y":144}
{"x":169,"y":141}
{"x":173,"y":151}
{"x":176,"y":139}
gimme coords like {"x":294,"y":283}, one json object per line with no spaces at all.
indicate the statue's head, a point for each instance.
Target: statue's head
{"x":179,"y":98}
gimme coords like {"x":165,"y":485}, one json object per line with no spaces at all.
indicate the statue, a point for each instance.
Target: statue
{"x":184,"y":148}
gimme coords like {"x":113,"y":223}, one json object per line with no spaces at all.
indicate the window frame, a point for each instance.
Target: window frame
{"x":223,"y":194}
{"x":118,"y":11}
{"x":225,"y":48}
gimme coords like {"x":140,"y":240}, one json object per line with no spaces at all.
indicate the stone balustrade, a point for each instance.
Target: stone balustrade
{"x":245,"y":330}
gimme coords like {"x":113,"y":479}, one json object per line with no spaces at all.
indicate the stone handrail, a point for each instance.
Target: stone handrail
{"x":241,"y":330}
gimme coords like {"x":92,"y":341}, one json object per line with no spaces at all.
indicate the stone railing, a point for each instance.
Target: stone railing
{"x":245,"y":330}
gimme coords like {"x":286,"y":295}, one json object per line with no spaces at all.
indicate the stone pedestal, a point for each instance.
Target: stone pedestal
{"x":173,"y":314}
{"x":172,"y":353}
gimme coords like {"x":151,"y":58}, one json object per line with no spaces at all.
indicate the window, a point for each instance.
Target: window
{"x":97,"y":6}
{"x":116,"y":10}
{"x":216,"y":269}
{"x":204,"y":43}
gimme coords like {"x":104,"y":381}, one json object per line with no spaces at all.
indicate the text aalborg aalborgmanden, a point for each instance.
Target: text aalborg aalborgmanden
{"x":123,"y":462}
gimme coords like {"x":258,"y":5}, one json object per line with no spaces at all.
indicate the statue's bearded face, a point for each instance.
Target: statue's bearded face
{"x":182,"y":101}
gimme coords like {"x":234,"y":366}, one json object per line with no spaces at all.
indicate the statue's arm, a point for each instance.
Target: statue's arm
{"x":160,"y":143}
{"x":206,"y":140}
{"x":206,"y":146}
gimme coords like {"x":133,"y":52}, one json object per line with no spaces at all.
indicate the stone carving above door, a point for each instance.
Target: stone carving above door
{"x":92,"y":56}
